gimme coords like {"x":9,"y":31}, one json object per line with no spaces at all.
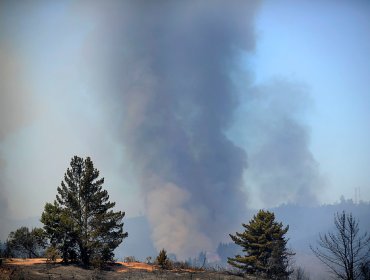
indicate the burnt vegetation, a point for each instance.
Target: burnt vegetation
{"x":345,"y":251}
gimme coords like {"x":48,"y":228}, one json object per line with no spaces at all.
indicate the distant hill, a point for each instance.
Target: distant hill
{"x":307,"y":222}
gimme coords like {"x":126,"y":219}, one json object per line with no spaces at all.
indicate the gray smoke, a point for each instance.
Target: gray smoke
{"x":168,"y":66}
{"x":14,"y":110}
{"x":281,"y":167}
{"x":164,"y":71}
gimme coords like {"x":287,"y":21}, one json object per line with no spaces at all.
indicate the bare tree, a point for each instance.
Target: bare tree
{"x":344,"y":250}
{"x":299,"y":274}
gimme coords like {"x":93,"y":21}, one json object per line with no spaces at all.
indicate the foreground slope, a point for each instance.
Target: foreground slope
{"x":36,"y":269}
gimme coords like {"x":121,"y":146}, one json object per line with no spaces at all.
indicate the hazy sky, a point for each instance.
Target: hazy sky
{"x":311,"y":62}
{"x":325,"y":45}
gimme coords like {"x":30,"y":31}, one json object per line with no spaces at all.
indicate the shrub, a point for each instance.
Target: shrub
{"x":52,"y":254}
{"x":129,"y":259}
{"x":163,"y":261}
{"x":97,"y":262}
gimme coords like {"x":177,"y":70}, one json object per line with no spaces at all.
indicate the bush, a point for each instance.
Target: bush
{"x":129,"y":259}
{"x":97,"y":262}
{"x":52,"y":254}
{"x":163,"y":261}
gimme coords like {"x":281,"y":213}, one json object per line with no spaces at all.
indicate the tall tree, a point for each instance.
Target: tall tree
{"x":345,"y":251}
{"x":25,"y":242}
{"x":82,"y":219}
{"x":265,"y":247}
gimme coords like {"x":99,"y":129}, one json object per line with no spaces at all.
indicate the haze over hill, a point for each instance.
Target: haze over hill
{"x":305,"y":225}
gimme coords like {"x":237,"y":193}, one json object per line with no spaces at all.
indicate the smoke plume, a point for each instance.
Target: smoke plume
{"x":163,"y":72}
{"x":14,"y":109}
{"x":167,"y":67}
{"x":281,"y":166}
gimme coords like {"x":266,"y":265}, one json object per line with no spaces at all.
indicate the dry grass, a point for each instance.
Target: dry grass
{"x":18,"y":261}
{"x":126,"y":267}
{"x":39,"y":269}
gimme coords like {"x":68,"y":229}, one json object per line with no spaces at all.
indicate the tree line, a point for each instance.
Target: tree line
{"x":81,"y":226}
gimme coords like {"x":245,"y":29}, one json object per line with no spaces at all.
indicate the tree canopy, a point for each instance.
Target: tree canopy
{"x":26,"y":243}
{"x":264,"y":244}
{"x":81,"y":222}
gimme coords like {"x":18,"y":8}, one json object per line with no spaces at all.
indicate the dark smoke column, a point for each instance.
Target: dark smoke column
{"x":169,"y":65}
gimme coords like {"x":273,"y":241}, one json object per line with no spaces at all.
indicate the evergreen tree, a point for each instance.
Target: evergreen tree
{"x":162,"y":259}
{"x":27,"y":243}
{"x":81,"y":222}
{"x":264,"y":244}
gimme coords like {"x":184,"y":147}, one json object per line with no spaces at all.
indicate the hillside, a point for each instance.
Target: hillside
{"x":37,"y":269}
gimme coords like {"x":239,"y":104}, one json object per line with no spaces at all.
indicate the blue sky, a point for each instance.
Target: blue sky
{"x":323,"y":45}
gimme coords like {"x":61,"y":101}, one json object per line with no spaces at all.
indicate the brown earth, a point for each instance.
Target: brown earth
{"x":35,"y":269}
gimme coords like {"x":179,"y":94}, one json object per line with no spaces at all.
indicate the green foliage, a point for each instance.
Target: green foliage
{"x":97,"y":262}
{"x":51,"y":254}
{"x":162,"y":260}
{"x":81,"y":222}
{"x":59,"y":227}
{"x":27,"y":243}
{"x":264,"y":244}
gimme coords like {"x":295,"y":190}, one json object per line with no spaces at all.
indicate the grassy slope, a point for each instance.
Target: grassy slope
{"x":41,"y":270}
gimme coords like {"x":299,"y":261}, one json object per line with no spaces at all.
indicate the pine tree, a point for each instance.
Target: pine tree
{"x":264,"y":244}
{"x":81,"y":221}
{"x":162,"y":259}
